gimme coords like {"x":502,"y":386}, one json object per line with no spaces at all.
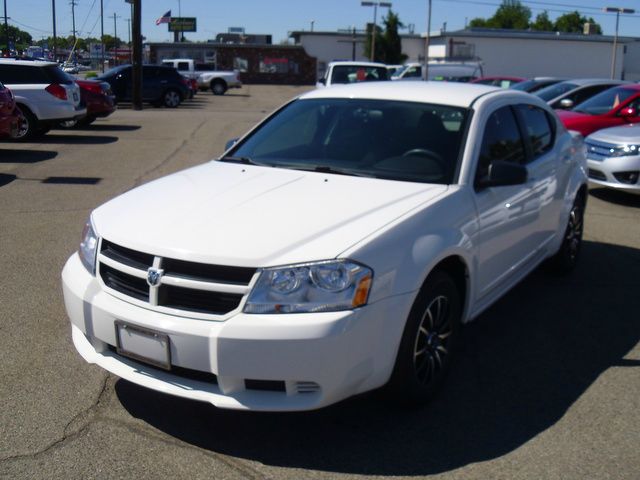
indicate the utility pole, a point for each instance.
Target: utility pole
{"x":6,"y":26}
{"x":116,"y":44}
{"x":73,"y":22}
{"x":55,"y":37}
{"x":137,"y":55}
{"x":129,"y":42}
{"x":101,"y":36}
{"x":427,"y":41}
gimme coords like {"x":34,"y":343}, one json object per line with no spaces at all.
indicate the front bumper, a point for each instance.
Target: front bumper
{"x":603,"y":172}
{"x":319,"y":358}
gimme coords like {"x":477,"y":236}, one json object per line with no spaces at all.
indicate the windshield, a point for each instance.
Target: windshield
{"x":112,"y":72}
{"x":357,"y":73}
{"x":394,"y":140}
{"x":553,"y":91}
{"x":533,"y":85}
{"x":605,"y":101}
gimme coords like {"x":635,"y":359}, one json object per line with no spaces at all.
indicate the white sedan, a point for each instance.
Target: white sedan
{"x":334,"y":249}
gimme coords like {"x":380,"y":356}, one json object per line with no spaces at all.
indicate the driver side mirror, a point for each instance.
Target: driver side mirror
{"x":628,"y":112}
{"x":502,"y":174}
{"x":322,"y":80}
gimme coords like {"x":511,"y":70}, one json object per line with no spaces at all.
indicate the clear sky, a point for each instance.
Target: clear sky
{"x":277,"y":17}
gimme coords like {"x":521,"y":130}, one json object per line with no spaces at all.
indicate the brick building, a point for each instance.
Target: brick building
{"x":267,"y":64}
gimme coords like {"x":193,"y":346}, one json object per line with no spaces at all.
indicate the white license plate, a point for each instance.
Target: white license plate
{"x":143,"y":344}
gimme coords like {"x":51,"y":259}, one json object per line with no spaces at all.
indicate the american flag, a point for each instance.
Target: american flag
{"x":166,"y":18}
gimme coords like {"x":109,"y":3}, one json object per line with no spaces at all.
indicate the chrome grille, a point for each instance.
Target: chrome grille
{"x":600,"y":150}
{"x":189,"y":287}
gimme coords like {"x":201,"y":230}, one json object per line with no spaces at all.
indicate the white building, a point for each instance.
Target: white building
{"x":503,"y":52}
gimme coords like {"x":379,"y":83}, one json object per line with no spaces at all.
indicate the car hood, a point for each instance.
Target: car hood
{"x":582,"y":122}
{"x":623,"y":134}
{"x":232,"y":214}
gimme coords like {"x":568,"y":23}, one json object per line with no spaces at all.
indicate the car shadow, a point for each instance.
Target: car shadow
{"x":98,"y":127}
{"x":55,"y":138}
{"x":6,"y":179}
{"x":522,"y":365}
{"x":616,"y":196}
{"x":25,"y":156}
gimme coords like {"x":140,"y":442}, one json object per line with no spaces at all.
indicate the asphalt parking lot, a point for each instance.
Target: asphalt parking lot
{"x":547,"y":384}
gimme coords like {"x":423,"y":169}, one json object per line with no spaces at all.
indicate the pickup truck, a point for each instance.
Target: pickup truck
{"x":218,"y":81}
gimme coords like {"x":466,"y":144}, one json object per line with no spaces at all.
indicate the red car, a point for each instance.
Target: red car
{"x":10,"y":116}
{"x":613,"y":107}
{"x":99,"y":99}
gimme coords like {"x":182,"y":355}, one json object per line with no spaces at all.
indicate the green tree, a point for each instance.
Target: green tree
{"x":110,"y":42}
{"x":542,"y":23}
{"x":574,"y":23}
{"x":510,"y":14}
{"x":388,"y":43}
{"x":20,"y":38}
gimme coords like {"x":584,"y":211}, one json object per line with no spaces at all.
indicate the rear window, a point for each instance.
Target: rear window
{"x":56,"y":75}
{"x":22,"y":75}
{"x":357,"y":73}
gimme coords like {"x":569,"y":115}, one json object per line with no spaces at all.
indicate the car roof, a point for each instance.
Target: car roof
{"x":15,"y":61}
{"x":442,"y":93}
{"x":359,"y":64}
{"x":581,"y":82}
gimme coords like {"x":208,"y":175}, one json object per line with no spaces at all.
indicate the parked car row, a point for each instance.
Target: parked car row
{"x":39,"y":95}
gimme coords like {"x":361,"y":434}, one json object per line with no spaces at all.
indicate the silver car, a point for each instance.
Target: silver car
{"x":567,"y":94}
{"x":613,"y":157}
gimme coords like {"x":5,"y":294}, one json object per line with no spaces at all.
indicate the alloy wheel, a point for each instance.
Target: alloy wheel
{"x":431,"y":347}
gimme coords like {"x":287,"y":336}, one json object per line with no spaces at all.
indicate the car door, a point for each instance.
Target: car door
{"x":507,"y":239}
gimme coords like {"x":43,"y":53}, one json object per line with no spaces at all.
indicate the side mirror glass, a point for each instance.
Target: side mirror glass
{"x":230,"y":143}
{"x":566,"y":103}
{"x":504,"y":173}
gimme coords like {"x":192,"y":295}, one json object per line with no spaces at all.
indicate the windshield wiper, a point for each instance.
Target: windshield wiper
{"x":243,"y":160}
{"x":328,"y":169}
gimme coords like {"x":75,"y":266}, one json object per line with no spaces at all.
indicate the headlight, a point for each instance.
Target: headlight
{"x":89,"y":247}
{"x":624,"y":151}
{"x":313,"y":287}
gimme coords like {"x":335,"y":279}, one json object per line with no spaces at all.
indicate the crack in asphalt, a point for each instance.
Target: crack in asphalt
{"x":90,"y":416}
{"x":139,"y":179}
{"x":66,"y":435}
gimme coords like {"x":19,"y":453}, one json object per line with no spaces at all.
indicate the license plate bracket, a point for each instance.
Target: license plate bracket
{"x":143,"y":344}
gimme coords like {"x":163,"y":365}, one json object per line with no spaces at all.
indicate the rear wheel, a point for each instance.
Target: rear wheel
{"x":27,"y":127}
{"x":171,"y":99}
{"x":218,"y":87}
{"x":428,"y":342}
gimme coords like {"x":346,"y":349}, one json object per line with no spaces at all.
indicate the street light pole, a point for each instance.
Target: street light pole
{"x":101,"y":36}
{"x":375,"y":6}
{"x":617,"y":11}
{"x":55,"y":37}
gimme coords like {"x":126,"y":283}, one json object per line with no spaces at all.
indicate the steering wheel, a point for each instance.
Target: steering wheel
{"x":427,"y":154}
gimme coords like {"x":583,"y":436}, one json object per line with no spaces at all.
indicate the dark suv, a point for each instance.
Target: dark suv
{"x":160,"y":85}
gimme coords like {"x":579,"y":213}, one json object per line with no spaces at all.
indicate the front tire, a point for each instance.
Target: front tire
{"x":428,"y":342}
{"x":565,"y":260}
